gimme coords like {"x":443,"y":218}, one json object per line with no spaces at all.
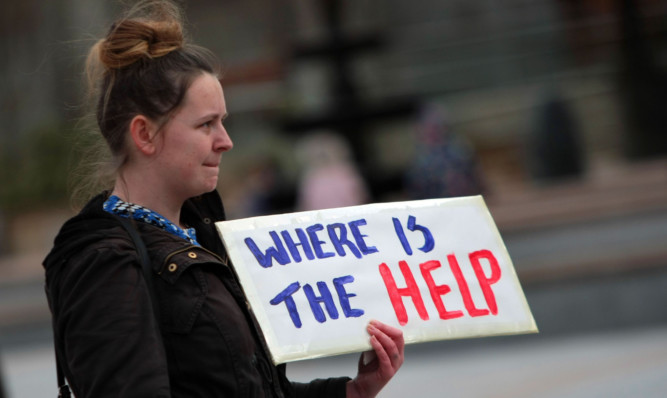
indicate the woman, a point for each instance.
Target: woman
{"x":161,"y":110}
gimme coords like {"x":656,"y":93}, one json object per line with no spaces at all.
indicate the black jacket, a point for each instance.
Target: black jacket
{"x":208,"y":343}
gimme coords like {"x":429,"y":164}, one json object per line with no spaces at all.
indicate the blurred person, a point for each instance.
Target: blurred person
{"x":554,"y":150}
{"x":184,"y":330}
{"x":266,"y":189}
{"x":444,"y":165}
{"x":330,"y":178}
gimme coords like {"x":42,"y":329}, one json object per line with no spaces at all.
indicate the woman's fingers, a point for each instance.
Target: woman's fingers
{"x":388,"y":344}
{"x":378,"y":366}
{"x":385,"y":348}
{"x":394,"y":333}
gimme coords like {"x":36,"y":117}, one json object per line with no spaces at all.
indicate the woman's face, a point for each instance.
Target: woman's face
{"x":193,"y":140}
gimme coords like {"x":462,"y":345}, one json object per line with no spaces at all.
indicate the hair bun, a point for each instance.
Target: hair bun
{"x":131,"y":40}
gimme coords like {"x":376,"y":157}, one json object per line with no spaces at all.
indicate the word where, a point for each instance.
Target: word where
{"x":286,"y":245}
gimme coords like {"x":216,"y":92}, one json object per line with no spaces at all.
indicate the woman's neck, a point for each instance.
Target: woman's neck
{"x":144,"y":194}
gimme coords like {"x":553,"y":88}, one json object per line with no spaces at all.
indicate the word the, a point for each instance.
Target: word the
{"x":311,"y":243}
{"x":316,"y":301}
{"x":411,"y":290}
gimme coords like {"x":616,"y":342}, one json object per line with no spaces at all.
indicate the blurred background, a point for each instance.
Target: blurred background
{"x":554,"y":110}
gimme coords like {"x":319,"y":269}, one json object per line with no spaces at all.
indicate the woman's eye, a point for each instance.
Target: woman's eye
{"x":207,"y":124}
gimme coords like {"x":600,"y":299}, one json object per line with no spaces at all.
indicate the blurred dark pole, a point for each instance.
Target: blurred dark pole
{"x":345,"y":94}
{"x":344,"y":114}
{"x":2,"y":385}
{"x":343,"y":86}
{"x":643,"y":86}
{"x":348,"y":114}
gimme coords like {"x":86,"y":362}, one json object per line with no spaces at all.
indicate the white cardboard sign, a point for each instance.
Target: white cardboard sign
{"x":437,"y":269}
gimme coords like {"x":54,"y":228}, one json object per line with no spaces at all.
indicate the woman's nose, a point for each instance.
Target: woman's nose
{"x":223,"y":142}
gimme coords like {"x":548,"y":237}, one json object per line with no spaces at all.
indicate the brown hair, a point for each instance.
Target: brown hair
{"x":143,"y":66}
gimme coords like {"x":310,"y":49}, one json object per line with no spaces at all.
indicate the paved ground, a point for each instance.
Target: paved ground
{"x":618,"y":364}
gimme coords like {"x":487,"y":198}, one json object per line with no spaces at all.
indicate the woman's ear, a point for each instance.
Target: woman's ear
{"x":142,"y":131}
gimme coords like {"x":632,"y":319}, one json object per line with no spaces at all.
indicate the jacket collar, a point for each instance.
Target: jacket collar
{"x":93,"y":224}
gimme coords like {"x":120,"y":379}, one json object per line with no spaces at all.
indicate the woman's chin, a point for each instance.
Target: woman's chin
{"x":211,"y":185}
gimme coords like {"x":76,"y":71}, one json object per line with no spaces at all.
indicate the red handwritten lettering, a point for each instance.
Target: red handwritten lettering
{"x":412,"y":290}
{"x":437,"y":291}
{"x":465,"y":290}
{"x":484,"y":282}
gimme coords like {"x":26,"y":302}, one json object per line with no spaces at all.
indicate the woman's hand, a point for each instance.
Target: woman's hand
{"x":377,"y":367}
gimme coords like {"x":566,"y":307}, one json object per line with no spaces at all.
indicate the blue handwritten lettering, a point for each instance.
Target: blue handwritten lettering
{"x":324,"y":298}
{"x":303,"y":242}
{"x":429,"y":242}
{"x":340,"y":239}
{"x":286,"y":297}
{"x":316,"y":242}
{"x":401,"y":236}
{"x":359,"y":237}
{"x":344,"y":296}
{"x":311,"y":245}
{"x":278,"y":252}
